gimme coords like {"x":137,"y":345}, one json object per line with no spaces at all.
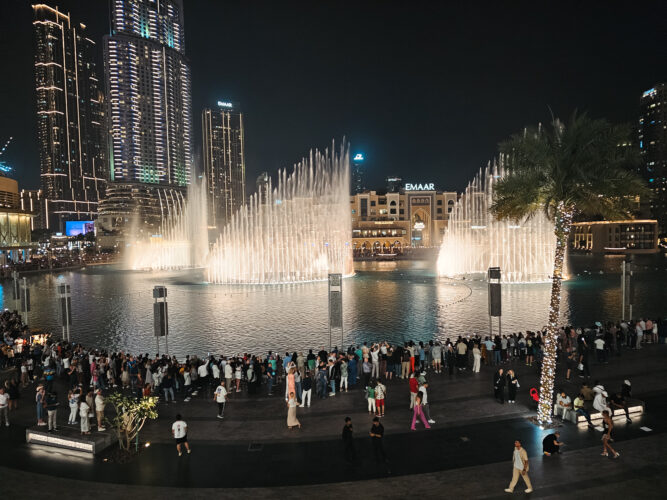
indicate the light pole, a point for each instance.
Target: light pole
{"x":65,"y":298}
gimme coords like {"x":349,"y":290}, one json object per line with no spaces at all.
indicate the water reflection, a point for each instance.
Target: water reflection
{"x":395,"y":301}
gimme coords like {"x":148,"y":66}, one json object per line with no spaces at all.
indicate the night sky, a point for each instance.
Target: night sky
{"x":425,"y":89}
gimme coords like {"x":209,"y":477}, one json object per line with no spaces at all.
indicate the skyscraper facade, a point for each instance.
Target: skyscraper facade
{"x":224,"y":161}
{"x":70,"y":118}
{"x":652,"y":132}
{"x":357,"y":176}
{"x":148,"y":85}
{"x":263,"y":187}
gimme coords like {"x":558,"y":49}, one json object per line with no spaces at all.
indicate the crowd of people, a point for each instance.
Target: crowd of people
{"x":89,"y":374}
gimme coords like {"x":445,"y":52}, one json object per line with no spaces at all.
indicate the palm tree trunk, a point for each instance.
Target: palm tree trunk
{"x":563,"y":220}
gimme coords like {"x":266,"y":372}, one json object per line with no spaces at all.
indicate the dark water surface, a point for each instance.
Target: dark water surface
{"x":384,"y":300}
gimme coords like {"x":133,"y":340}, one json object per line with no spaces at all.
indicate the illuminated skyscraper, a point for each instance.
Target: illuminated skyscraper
{"x":263,"y":186}
{"x":653,"y":147}
{"x":224,"y":161}
{"x":70,"y":118}
{"x":357,"y":175}
{"x":150,"y":105}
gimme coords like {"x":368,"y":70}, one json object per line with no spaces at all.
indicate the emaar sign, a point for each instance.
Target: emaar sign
{"x":420,"y":187}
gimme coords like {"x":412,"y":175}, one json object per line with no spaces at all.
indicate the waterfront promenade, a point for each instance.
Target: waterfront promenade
{"x":466,"y":453}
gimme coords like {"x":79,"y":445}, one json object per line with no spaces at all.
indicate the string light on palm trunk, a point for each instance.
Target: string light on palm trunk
{"x":563,"y":224}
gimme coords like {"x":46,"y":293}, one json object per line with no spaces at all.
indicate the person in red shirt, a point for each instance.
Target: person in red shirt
{"x":414,"y":388}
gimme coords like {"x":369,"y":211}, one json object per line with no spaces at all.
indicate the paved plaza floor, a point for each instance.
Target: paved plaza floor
{"x":465,"y":455}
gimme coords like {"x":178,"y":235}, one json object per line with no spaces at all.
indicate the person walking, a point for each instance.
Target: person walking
{"x":608,"y":426}
{"x":499,"y":386}
{"x":292,"y":421}
{"x":349,"y":453}
{"x":179,"y":429}
{"x":220,"y":397}
{"x":520,"y":468}
{"x":417,"y":412}
{"x":426,"y":408}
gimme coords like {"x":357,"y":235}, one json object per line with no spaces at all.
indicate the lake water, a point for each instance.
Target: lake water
{"x":385,"y":300}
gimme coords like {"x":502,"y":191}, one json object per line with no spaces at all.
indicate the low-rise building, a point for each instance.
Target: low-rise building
{"x":387,"y":223}
{"x":626,"y":236}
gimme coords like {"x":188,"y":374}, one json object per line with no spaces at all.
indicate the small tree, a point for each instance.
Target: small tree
{"x":131,"y":415}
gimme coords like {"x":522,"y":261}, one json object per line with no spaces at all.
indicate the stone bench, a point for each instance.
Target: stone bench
{"x":69,"y":441}
{"x":635,"y":408}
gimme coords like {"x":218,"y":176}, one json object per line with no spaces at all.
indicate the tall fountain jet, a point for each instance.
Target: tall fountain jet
{"x":301,"y":232}
{"x":183,"y":239}
{"x":475,"y":240}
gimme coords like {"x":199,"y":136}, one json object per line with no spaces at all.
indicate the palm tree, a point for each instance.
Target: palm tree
{"x":582,"y":168}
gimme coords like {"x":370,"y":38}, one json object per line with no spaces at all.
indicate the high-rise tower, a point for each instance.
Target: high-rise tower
{"x":224,"y":161}
{"x":150,"y":105}
{"x":70,"y":118}
{"x":653,"y":147}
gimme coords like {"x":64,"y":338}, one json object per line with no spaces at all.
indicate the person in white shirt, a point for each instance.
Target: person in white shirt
{"x":202,"y":372}
{"x":179,"y":430}
{"x":220,"y":397}
{"x":187,"y":382}
{"x":73,"y":401}
{"x":563,"y":405}
{"x":425,"y":406}
{"x":599,"y":349}
{"x":639,"y":330}
{"x":83,"y":414}
{"x":4,"y":406}
{"x":99,"y":410}
{"x":228,"y":376}
{"x":600,"y":402}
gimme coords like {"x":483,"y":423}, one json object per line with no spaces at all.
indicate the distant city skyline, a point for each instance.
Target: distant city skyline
{"x":425,"y":91}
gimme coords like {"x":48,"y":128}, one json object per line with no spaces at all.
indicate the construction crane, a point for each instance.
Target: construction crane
{"x":4,"y":168}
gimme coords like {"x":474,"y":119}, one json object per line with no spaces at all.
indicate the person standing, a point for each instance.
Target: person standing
{"x":4,"y":406}
{"x":84,"y":409}
{"x":499,"y":386}
{"x":220,"y":397}
{"x":179,"y":429}
{"x":52,"y":410}
{"x":343,"y":374}
{"x":512,"y":386}
{"x":349,"y":452}
{"x":520,"y":468}
{"x":370,"y":397}
{"x":99,"y":410}
{"x":40,"y":402}
{"x":73,"y":401}
{"x":377,"y":435}
{"x":380,"y":393}
{"x":414,"y":388}
{"x":477,"y":357}
{"x":292,"y":421}
{"x":306,"y":389}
